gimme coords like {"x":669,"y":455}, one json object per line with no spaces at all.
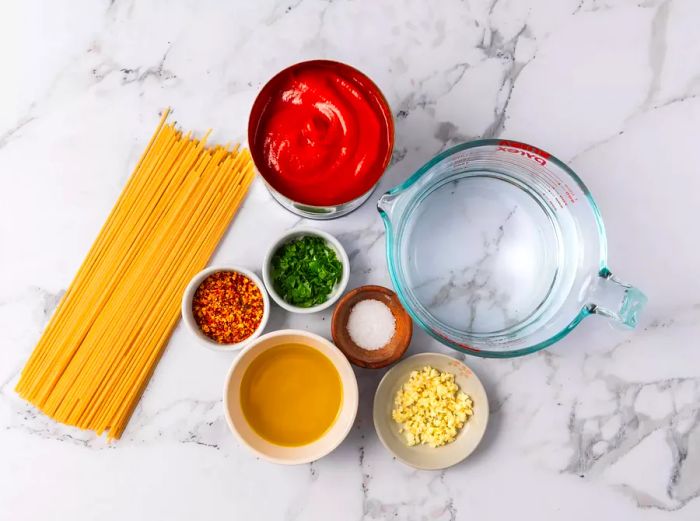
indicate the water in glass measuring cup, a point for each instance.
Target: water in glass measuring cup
{"x":485,"y":252}
{"x":497,"y":248}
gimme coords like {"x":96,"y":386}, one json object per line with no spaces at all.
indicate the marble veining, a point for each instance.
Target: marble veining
{"x":605,"y":424}
{"x":472,"y":283}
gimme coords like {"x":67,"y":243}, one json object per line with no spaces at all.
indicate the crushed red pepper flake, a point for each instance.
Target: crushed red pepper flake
{"x":228,"y":307}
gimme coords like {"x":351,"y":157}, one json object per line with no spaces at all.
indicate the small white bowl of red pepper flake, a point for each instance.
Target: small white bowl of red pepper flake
{"x":225,"y":307}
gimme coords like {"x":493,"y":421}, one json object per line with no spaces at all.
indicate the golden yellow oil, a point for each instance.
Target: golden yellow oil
{"x":291,"y":394}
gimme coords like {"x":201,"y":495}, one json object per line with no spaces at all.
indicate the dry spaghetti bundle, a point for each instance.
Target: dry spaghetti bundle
{"x":102,"y":343}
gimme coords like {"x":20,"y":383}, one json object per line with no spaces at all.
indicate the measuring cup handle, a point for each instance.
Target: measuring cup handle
{"x":616,"y":300}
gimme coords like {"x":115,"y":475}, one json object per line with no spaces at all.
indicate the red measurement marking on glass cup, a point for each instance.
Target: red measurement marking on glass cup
{"x":528,"y":151}
{"x":557,"y":192}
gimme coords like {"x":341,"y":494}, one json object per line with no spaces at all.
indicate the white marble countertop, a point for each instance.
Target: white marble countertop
{"x":603,"y":425}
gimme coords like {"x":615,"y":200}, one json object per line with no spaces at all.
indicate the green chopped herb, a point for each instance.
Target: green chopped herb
{"x":305,"y":271}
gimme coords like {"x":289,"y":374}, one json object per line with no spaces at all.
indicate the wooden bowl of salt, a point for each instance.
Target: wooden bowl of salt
{"x":371,"y":327}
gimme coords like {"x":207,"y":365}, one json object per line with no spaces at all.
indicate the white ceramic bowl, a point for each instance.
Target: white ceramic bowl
{"x":333,"y":243}
{"x":188,"y":316}
{"x":277,"y":453}
{"x":423,"y":456}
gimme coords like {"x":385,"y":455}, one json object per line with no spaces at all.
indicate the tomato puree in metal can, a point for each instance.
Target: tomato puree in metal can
{"x":321,"y":133}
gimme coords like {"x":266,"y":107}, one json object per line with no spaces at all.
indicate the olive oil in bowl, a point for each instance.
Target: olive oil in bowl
{"x":291,"y":394}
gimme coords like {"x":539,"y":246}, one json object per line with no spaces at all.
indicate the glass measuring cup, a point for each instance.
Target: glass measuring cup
{"x":496,"y":248}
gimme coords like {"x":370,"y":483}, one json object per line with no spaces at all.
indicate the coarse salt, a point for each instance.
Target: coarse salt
{"x":371,"y":324}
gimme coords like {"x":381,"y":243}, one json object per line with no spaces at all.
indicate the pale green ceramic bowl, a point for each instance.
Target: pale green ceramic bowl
{"x":423,"y":456}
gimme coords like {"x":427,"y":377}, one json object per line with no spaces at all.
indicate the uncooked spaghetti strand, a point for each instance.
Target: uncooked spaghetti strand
{"x":102,"y":343}
{"x":227,"y":204}
{"x":201,"y":224}
{"x":67,"y":353}
{"x":197,"y":220}
{"x":102,"y":331}
{"x":149,"y":270}
{"x":90,"y":259}
{"x":126,"y":410}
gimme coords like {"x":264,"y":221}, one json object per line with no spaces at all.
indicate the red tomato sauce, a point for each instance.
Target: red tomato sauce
{"x":321,"y":133}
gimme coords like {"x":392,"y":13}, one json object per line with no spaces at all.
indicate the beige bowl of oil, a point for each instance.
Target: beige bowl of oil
{"x":291,"y":397}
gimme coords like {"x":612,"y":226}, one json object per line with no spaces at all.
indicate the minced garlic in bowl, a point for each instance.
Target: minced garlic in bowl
{"x":430,"y":408}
